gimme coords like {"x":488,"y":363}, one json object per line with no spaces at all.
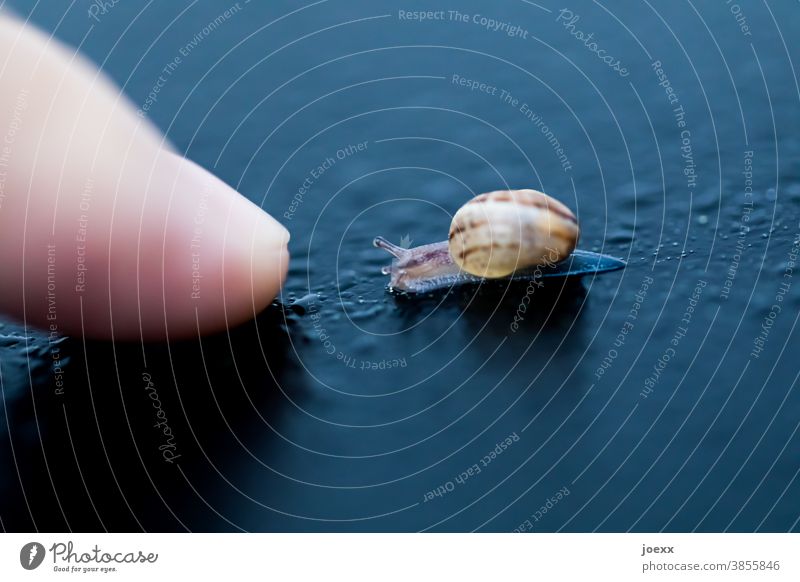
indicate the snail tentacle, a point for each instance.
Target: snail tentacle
{"x":391,"y":248}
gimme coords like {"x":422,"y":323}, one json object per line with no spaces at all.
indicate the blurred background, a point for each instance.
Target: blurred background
{"x":661,"y":397}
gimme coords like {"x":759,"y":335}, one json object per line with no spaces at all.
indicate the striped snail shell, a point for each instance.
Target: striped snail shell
{"x":495,"y":234}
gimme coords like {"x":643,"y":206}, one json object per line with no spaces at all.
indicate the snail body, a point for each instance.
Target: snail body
{"x":506,"y":235}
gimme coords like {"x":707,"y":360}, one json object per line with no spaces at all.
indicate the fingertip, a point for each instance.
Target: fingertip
{"x":188,"y":256}
{"x":236,"y":254}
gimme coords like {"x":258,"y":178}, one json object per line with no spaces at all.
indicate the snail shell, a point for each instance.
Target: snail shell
{"x":495,"y":234}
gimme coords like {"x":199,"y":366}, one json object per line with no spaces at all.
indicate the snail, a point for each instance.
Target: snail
{"x":506,"y":235}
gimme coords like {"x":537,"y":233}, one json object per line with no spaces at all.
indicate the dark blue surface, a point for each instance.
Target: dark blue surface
{"x":276,"y":433}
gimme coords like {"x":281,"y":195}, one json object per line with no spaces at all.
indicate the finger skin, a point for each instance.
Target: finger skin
{"x":104,"y":230}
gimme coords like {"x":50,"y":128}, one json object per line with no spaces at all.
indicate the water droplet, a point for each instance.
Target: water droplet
{"x":304,"y":304}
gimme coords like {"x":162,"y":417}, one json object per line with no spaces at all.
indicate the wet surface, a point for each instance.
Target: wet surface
{"x":659,"y":397}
